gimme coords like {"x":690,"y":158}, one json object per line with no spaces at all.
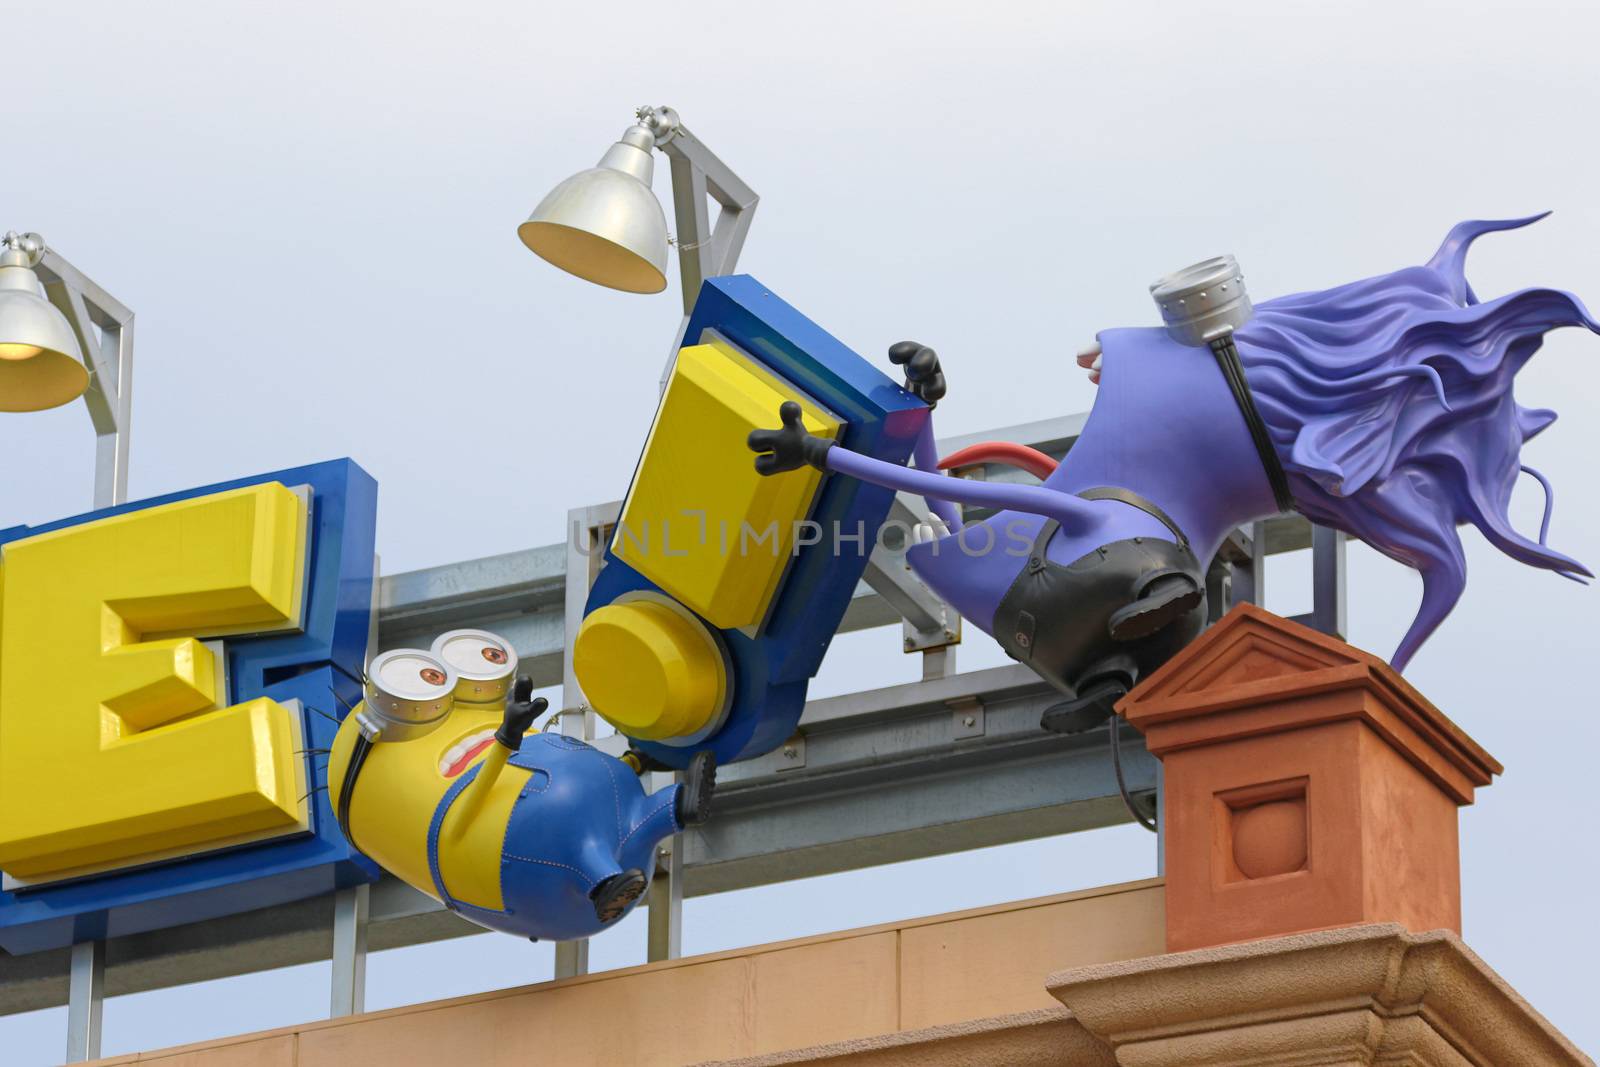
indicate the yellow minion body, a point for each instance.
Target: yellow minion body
{"x":438,"y":778}
{"x":401,"y":785}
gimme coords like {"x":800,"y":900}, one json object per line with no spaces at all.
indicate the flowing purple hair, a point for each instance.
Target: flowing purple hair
{"x":1390,"y":401}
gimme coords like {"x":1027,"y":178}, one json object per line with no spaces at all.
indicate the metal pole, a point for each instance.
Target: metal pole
{"x":584,"y":549}
{"x":1328,"y":611}
{"x":111,"y":449}
{"x":85,"y":999}
{"x":348,"y":993}
{"x":665,"y":940}
{"x":1248,"y":580}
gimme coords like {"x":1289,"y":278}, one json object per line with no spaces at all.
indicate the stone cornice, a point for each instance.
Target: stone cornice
{"x":1360,"y":995}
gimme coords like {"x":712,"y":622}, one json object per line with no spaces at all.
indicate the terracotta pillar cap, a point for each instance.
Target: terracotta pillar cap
{"x":1254,"y":673}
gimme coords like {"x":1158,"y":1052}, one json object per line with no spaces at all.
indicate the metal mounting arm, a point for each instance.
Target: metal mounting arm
{"x":704,"y":250}
{"x":109,"y":356}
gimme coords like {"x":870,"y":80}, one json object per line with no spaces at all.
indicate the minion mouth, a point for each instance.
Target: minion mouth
{"x":464,"y":751}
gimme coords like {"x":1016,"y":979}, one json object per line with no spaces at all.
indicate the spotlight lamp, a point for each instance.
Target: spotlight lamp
{"x":605,"y":224}
{"x":41,"y":365}
{"x":51,"y":352}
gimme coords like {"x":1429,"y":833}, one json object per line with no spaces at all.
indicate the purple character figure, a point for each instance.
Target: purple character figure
{"x":1382,"y":408}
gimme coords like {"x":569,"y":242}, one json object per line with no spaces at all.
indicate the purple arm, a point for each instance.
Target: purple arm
{"x":927,"y":457}
{"x":1074,"y":514}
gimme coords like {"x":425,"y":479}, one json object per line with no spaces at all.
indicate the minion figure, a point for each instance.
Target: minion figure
{"x":437,"y":778}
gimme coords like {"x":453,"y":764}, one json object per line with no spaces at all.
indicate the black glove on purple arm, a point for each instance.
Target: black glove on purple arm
{"x":924,"y":378}
{"x":789,"y":448}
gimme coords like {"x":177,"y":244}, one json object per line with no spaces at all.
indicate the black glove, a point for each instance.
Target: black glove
{"x":520,"y":713}
{"x":790,"y":448}
{"x":924,"y":378}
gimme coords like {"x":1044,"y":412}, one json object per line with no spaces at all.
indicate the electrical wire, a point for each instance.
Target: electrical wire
{"x":1122,"y":785}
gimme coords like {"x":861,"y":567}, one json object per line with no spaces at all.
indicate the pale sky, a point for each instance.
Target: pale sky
{"x":312,"y":209}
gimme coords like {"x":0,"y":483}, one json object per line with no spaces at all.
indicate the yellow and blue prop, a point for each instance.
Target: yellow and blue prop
{"x":721,"y":589}
{"x":160,"y":665}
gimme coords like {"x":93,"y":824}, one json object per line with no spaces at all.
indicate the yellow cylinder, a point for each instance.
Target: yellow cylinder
{"x":651,"y":671}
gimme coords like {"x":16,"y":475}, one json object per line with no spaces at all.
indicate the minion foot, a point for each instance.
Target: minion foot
{"x":614,"y":895}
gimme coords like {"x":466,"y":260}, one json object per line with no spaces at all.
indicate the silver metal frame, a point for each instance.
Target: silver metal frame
{"x":348,"y":992}
{"x":85,"y":1000}
{"x":109,"y":358}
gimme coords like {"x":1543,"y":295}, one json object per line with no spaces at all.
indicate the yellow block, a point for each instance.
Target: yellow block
{"x":114,"y":750}
{"x":699,"y":521}
{"x":650,"y":671}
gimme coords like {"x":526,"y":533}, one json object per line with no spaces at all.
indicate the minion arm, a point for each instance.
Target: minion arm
{"x":518,"y":720}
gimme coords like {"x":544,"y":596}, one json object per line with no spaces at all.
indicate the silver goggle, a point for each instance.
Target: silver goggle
{"x":1203,"y":302}
{"x":484,"y":664}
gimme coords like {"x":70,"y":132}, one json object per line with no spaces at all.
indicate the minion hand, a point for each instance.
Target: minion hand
{"x":520,"y":713}
{"x":790,"y":448}
{"x":924,"y":378}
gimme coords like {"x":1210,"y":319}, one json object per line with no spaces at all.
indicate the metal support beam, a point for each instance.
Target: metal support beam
{"x":930,"y":626}
{"x":586,"y":538}
{"x":348,"y":995}
{"x":1328,"y":607}
{"x":572,"y":958}
{"x":1237,"y":574}
{"x":895,"y":774}
{"x":85,"y":1000}
{"x":109,"y":357}
{"x":665,"y":938}
{"x":705,"y":250}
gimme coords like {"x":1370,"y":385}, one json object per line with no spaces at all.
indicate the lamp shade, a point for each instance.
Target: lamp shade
{"x":605,"y":224}
{"x":41,"y":364}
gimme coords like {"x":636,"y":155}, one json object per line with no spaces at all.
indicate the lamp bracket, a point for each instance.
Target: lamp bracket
{"x":109,"y":357}
{"x":705,"y":249}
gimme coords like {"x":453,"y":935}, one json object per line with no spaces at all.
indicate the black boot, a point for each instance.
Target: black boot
{"x":1095,"y":703}
{"x":1161,"y":603}
{"x":694,"y":796}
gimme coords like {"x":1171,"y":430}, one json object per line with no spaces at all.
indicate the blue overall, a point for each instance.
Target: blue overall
{"x":582,"y":817}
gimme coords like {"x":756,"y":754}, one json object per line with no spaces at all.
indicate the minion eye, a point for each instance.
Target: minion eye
{"x":410,"y":676}
{"x":472,"y":652}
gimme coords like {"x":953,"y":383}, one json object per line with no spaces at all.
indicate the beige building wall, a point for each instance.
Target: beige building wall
{"x":940,"y":971}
